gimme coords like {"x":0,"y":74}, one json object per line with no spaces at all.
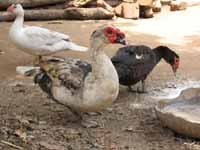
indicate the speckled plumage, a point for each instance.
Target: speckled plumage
{"x":81,"y":86}
{"x":69,"y":72}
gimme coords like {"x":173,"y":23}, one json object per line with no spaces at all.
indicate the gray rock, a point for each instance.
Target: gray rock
{"x":182,"y":113}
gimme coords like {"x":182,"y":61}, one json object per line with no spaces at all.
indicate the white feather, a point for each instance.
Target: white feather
{"x":39,"y":41}
{"x":138,"y":56}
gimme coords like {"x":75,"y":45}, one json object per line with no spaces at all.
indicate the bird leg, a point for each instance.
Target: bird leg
{"x":84,"y":122}
{"x":89,"y":123}
{"x":143,"y":88}
{"x":76,"y":113}
{"x":130,"y":88}
{"x":93,"y":113}
{"x":37,"y":60}
{"x":138,"y":90}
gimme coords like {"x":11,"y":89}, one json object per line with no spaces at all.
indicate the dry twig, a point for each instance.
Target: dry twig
{"x":12,"y":145}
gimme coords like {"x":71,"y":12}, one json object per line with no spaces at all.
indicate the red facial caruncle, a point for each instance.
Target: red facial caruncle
{"x":176,"y":62}
{"x":10,"y":8}
{"x":112,"y":33}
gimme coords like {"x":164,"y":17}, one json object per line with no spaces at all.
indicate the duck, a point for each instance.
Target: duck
{"x":79,"y":85}
{"x":38,"y":41}
{"x":135,"y":62}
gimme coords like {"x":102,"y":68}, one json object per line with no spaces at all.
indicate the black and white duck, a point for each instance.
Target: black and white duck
{"x":83,"y":86}
{"x":135,"y":62}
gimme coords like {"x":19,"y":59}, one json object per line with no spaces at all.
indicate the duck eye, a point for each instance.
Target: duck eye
{"x":109,"y":31}
{"x":127,"y":50}
{"x":14,"y":6}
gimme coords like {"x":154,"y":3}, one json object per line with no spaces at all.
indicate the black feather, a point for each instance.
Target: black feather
{"x":44,"y":82}
{"x":131,"y":70}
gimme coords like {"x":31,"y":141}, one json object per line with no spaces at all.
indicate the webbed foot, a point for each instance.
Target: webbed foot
{"x":89,"y":124}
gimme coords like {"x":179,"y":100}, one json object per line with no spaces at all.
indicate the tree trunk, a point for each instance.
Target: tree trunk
{"x":29,"y":3}
{"x":89,"y":3}
{"x":87,"y":14}
{"x":60,"y":14}
{"x":42,"y":14}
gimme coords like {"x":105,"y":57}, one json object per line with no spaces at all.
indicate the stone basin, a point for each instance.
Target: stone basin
{"x":181,"y":114}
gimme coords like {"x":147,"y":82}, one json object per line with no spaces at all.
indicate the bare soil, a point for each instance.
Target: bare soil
{"x":32,"y":121}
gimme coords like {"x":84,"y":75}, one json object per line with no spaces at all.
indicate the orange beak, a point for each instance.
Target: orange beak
{"x":10,"y":8}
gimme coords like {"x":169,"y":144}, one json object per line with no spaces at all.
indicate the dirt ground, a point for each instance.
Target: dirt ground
{"x":31,"y":121}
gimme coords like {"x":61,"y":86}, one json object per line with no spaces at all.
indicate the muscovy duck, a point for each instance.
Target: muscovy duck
{"x":81,"y":86}
{"x":135,"y":62}
{"x":38,"y":41}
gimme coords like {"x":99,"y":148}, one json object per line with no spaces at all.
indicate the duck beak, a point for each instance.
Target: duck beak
{"x":121,"y":41}
{"x":174,"y":68}
{"x":10,"y":8}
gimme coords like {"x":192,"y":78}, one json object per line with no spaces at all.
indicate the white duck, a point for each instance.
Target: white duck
{"x":80,"y":86}
{"x":38,"y":41}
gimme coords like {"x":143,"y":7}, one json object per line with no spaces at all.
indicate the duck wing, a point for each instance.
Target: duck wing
{"x":43,"y":35}
{"x":63,"y":72}
{"x":49,"y":40}
{"x":133,"y":63}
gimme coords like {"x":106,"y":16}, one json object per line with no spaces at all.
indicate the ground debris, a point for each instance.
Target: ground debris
{"x":129,"y":129}
{"x":55,"y":22}
{"x":52,"y":146}
{"x":192,"y":146}
{"x":21,"y":134}
{"x":16,"y":84}
{"x":11,"y":145}
{"x":71,"y":134}
{"x":89,"y":124}
{"x":26,"y":120}
{"x":6,"y":131}
{"x":109,"y":109}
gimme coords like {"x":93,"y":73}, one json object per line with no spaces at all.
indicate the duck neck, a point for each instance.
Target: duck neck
{"x":159,"y":54}
{"x":96,"y":49}
{"x":18,"y":23}
{"x":163,"y":52}
{"x":101,"y":64}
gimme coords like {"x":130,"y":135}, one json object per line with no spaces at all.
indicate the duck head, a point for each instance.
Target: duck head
{"x":175,"y":64}
{"x":17,"y":9}
{"x":108,"y":34}
{"x":172,"y":58}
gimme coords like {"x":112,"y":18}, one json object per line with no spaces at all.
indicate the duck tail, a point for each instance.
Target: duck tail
{"x":76,"y":47}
